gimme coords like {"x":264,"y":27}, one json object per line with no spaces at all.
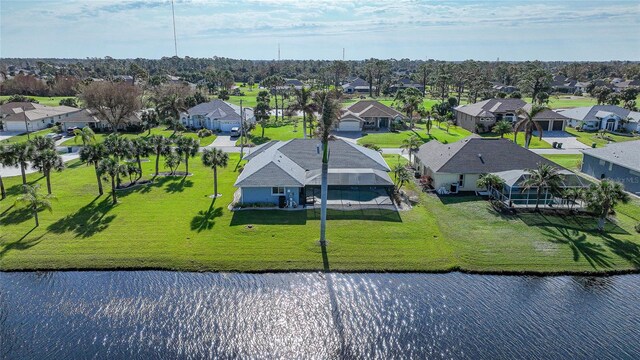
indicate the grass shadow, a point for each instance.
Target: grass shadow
{"x":87,"y":221}
{"x":594,"y":254}
{"x":457,"y":199}
{"x":626,"y":249}
{"x":21,"y":244}
{"x":268,"y":217}
{"x":205,"y":219}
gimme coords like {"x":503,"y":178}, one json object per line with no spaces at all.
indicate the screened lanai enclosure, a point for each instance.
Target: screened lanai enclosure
{"x":514,"y":193}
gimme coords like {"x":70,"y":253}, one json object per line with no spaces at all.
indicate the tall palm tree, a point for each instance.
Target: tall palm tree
{"x":21,"y":153}
{"x":490,"y":181}
{"x":503,"y":128}
{"x":215,"y":158}
{"x":171,"y":106}
{"x":330,"y":112}
{"x":544,"y":177}
{"x":46,"y":161}
{"x":528,"y":124}
{"x":161,"y":147}
{"x":140,"y":148}
{"x":33,"y":200}
{"x":411,"y":144}
{"x":187,"y":147}
{"x":92,"y":154}
{"x":603,"y":197}
{"x":119,"y":147}
{"x":303,"y":103}
{"x":86,"y":135}
{"x":111,"y":168}
{"x":6,"y":159}
{"x":40,"y":143}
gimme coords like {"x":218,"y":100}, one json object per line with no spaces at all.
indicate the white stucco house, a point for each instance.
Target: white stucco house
{"x":217,"y":115}
{"x":603,"y":117}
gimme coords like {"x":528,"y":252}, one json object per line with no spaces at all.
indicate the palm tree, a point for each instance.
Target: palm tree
{"x":411,"y":100}
{"x":141,"y":148}
{"x":412,"y":143}
{"x":40,"y":143}
{"x":304,"y":104}
{"x":490,"y":181}
{"x":187,"y":147}
{"x":113,"y":169}
{"x":92,"y":154}
{"x":172,"y":105}
{"x":215,"y":158}
{"x":528,"y":124}
{"x":21,"y":153}
{"x":161,"y":147}
{"x":545,"y":176}
{"x":45,"y":161}
{"x":503,"y":128}
{"x":329,"y":111}
{"x":172,"y":160}
{"x":6,"y":159}
{"x":572,"y":195}
{"x":33,"y":200}
{"x":603,"y":197}
{"x":402,"y":175}
{"x":86,"y":135}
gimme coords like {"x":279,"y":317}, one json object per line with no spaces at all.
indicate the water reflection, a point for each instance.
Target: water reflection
{"x":316,"y":315}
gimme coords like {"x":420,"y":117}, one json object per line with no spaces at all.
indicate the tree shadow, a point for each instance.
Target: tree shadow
{"x":268,"y":217}
{"x":457,"y":199}
{"x":594,"y":254}
{"x":21,"y":244}
{"x":16,"y":216}
{"x":576,"y":222}
{"x":87,"y":221}
{"x":369,"y":214}
{"x":626,"y":249}
{"x":205,"y":219}
{"x":178,"y":186}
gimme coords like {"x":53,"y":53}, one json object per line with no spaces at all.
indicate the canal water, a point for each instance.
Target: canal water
{"x":173,"y":315}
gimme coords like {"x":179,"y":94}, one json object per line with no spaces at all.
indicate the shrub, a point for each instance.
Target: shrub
{"x":372,"y":146}
{"x":203,"y":133}
{"x":638,"y":228}
{"x":69,"y":102}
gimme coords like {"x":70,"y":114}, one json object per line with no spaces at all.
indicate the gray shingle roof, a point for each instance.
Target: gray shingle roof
{"x":591,"y":113}
{"x":475,"y":155}
{"x":291,"y":163}
{"x":372,"y":108}
{"x":625,"y":154}
{"x":493,"y":106}
{"x":219,"y":110}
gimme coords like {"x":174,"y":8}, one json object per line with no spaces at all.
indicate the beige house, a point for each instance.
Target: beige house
{"x":33,"y":117}
{"x":368,"y":114}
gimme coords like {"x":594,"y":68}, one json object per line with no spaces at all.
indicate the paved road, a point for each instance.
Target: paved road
{"x":15,"y":171}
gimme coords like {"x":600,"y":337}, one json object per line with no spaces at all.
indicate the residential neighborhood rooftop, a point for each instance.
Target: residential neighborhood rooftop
{"x":625,"y":154}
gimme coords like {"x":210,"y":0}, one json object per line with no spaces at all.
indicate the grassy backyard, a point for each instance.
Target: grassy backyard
{"x":173,"y":224}
{"x":568,"y":161}
{"x":44,"y":100}
{"x":589,"y":138}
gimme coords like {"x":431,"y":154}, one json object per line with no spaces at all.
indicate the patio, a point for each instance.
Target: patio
{"x":352,"y":199}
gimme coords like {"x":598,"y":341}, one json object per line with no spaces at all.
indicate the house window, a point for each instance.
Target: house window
{"x":277,"y":190}
{"x":461,"y":180}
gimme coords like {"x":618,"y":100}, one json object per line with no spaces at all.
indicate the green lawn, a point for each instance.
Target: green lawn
{"x":44,"y":100}
{"x":173,"y":224}
{"x":589,"y":138}
{"x":568,"y":161}
{"x":25,"y":137}
{"x":155,"y":131}
{"x":536,"y":143}
{"x":281,"y":133}
{"x":394,"y":139}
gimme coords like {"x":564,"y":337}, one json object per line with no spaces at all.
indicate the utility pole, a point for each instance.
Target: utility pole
{"x":241,"y":130}
{"x":342,"y":54}
{"x":278,"y":52}
{"x":26,"y":124}
{"x":175,"y":38}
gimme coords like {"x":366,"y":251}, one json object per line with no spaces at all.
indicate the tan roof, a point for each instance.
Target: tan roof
{"x":40,"y":112}
{"x":372,"y":108}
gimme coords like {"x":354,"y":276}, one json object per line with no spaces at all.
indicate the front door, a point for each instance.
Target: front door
{"x":611,"y":124}
{"x":384,"y":123}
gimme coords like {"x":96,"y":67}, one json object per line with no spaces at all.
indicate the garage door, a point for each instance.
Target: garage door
{"x":14,"y":126}
{"x":226,"y":126}
{"x":557,"y":125}
{"x":544,"y":125}
{"x":349,"y":126}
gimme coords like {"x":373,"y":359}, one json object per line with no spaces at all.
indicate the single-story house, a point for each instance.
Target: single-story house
{"x":405,"y":83}
{"x":563,"y":84}
{"x":34,"y":117}
{"x":507,"y":89}
{"x":603,"y":117}
{"x":481,"y":116}
{"x":458,"y":166}
{"x":619,"y":162}
{"x":216,"y":115}
{"x":622,"y":85}
{"x":287,"y":173}
{"x":357,"y":86}
{"x":368,"y":114}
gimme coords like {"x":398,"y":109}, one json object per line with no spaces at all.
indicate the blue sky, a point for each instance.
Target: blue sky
{"x":319,"y":29}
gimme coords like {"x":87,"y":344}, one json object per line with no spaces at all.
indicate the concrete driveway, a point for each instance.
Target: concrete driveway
{"x":4,"y":135}
{"x":224,"y":141}
{"x":350,"y":136}
{"x":568,"y":141}
{"x":15,"y":170}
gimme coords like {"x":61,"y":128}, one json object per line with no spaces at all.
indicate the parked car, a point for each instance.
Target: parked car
{"x":54,"y":136}
{"x":70,"y":131}
{"x":235,"y":131}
